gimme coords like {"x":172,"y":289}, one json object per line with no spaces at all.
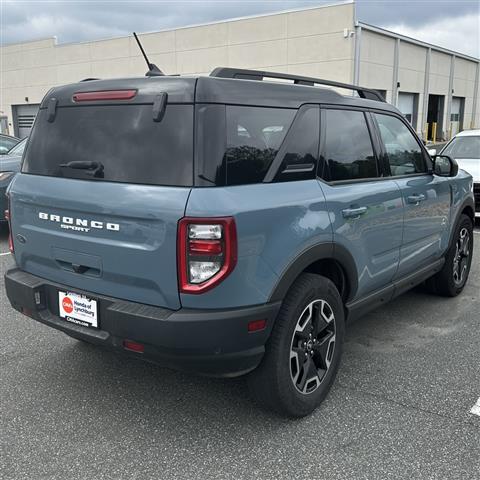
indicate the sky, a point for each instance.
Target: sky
{"x":453,"y":24}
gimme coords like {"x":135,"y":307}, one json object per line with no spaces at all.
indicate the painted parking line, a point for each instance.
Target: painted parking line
{"x":476,"y":408}
{"x":3,"y":254}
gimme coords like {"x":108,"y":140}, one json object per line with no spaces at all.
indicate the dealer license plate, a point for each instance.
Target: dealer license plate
{"x":78,"y":309}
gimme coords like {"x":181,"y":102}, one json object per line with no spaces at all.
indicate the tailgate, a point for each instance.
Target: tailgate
{"x":114,"y":239}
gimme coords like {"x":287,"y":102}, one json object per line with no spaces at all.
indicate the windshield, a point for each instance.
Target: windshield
{"x":463,"y":147}
{"x":115,"y":143}
{"x":7,"y":143}
{"x":18,"y":148}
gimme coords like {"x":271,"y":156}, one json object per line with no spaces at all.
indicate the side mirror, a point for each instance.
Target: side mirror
{"x":444,"y":166}
{"x":432,"y":151}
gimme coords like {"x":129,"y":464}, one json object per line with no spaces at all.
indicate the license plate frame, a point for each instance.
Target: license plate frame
{"x":78,"y":309}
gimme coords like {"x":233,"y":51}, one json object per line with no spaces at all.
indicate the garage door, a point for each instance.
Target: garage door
{"x":23,"y":118}
{"x":406,"y":104}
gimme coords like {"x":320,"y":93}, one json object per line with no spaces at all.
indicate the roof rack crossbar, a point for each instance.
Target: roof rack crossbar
{"x":245,"y":74}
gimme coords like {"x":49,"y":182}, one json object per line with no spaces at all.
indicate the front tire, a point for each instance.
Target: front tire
{"x":303,"y":353}
{"x":451,"y":280}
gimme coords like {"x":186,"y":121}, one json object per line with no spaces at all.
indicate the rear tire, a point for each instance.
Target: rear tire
{"x":451,"y":280}
{"x":303,"y":353}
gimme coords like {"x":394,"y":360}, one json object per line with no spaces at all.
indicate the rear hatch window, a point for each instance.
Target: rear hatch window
{"x":123,"y":140}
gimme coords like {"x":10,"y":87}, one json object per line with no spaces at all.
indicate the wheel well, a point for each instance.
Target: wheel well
{"x":469,"y":211}
{"x":332,"y":270}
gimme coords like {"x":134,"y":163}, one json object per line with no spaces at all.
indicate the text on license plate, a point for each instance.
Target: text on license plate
{"x":78,"y":309}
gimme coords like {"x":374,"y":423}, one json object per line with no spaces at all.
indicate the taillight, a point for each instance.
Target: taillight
{"x":133,"y":346}
{"x":8,"y":218}
{"x":207,"y":252}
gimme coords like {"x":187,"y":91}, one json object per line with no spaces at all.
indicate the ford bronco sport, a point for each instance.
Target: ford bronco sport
{"x":230,"y":224}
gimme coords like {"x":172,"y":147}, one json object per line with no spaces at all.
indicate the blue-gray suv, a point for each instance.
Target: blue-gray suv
{"x":230,"y":224}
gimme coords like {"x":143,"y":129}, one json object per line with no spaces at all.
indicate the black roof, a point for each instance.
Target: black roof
{"x":210,"y":89}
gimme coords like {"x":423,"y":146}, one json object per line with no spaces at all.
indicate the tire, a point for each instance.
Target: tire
{"x":278,"y":383}
{"x":449,"y":282}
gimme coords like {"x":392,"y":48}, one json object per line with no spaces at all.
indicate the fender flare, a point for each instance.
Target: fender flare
{"x":468,"y":202}
{"x":321,"y":251}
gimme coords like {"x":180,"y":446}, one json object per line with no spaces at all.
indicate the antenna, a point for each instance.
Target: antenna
{"x":153,"y":70}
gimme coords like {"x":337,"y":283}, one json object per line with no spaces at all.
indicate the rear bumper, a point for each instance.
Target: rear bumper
{"x":210,"y":342}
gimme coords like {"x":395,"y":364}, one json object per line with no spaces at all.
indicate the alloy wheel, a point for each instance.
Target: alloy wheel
{"x":312,"y":347}
{"x":462,"y":255}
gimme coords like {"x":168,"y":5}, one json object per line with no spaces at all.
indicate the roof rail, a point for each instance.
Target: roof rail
{"x":244,"y":74}
{"x":89,"y":79}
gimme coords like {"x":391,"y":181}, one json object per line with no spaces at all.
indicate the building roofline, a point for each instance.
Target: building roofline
{"x":390,"y":33}
{"x":205,"y":24}
{"x":32,"y":40}
{"x":366,"y":26}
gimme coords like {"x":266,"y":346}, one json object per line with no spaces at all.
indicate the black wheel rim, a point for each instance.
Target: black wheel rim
{"x":312,"y":347}
{"x":462,"y":257}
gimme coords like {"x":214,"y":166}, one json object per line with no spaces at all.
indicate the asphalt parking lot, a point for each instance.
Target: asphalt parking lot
{"x":400,"y":407}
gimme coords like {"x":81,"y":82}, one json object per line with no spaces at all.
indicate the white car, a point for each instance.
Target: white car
{"x":465,"y":149}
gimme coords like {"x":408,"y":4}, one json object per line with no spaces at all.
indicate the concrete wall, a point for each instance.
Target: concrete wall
{"x":464,"y":86}
{"x":308,"y":42}
{"x":378,"y":68}
{"x":376,"y":62}
{"x":411,"y":75}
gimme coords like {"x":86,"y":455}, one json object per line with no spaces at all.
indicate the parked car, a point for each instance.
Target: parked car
{"x":9,"y":166}
{"x":465,"y":149}
{"x":229,"y":225}
{"x":7,"y":143}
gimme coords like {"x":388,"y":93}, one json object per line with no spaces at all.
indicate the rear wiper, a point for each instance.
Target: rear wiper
{"x":96,"y":167}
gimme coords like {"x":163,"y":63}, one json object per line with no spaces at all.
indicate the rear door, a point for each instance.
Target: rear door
{"x":427,"y":197}
{"x":99,"y":197}
{"x":365,"y":208}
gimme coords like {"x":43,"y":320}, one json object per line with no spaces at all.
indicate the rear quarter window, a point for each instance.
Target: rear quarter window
{"x":124,"y":139}
{"x":253,"y":138}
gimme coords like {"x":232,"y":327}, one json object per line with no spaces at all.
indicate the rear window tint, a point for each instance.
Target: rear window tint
{"x":254,"y":135}
{"x":123,"y":138}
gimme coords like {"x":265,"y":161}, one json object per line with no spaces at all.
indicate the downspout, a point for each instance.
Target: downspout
{"x":448,"y":122}
{"x":356,"y":59}
{"x":475,"y":98}
{"x":426,"y":87}
{"x":396,"y":55}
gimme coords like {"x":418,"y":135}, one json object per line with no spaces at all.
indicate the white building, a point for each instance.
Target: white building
{"x":429,"y":84}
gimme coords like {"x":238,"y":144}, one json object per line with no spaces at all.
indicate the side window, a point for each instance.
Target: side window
{"x":348,"y":150}
{"x":403,"y":151}
{"x":301,"y":148}
{"x":254,"y":135}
